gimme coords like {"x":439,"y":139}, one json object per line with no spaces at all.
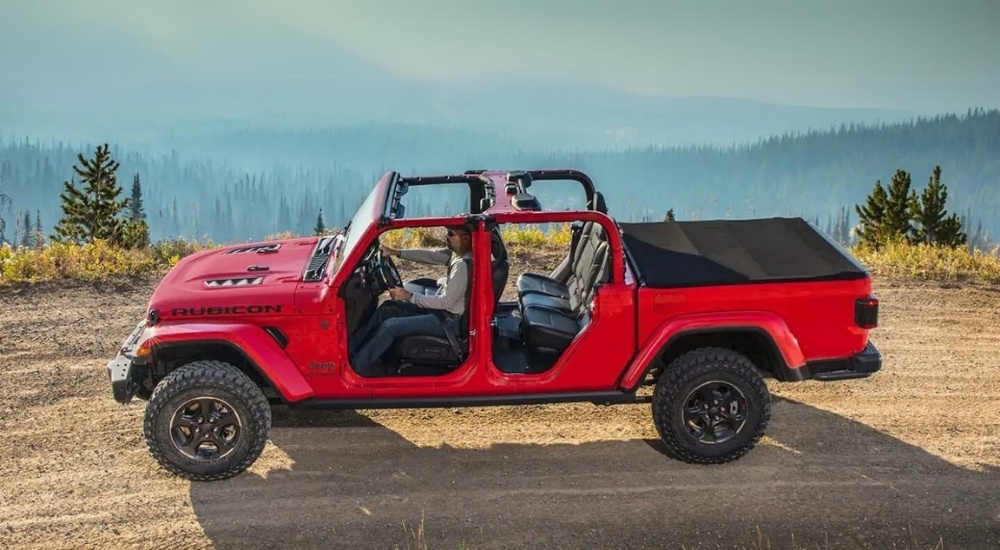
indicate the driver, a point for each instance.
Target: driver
{"x":407,"y":314}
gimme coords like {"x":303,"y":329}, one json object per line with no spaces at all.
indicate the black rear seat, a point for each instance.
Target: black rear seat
{"x":584,"y":271}
{"x":553,"y":284}
{"x":590,"y":270}
{"x":551,"y":322}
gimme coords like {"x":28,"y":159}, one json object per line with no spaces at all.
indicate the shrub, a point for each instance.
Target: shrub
{"x":529,"y":237}
{"x":93,"y":261}
{"x":923,"y":261}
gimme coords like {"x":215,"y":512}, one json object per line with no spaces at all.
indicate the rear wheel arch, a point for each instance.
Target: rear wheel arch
{"x":755,"y":343}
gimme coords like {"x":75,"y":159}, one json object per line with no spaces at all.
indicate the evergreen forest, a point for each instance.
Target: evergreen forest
{"x":244,"y":185}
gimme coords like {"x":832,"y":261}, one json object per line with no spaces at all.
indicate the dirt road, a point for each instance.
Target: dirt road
{"x":907,"y":459}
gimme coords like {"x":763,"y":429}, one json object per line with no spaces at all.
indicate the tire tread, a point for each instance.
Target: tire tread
{"x":213,"y":374}
{"x":696,"y":363}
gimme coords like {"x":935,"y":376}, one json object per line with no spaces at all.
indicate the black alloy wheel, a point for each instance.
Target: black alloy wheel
{"x":710,"y":406}
{"x":715,"y":412}
{"x":205,"y":428}
{"x":206,"y":421}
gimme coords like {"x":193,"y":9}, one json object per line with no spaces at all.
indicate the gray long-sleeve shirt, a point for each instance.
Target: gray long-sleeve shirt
{"x":451,"y":297}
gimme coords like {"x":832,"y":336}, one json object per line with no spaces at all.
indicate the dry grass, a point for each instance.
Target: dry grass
{"x":516,"y":238}
{"x":931,"y":263}
{"x":99,"y":260}
{"x":90,"y":262}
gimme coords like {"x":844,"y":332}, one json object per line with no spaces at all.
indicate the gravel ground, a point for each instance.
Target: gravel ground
{"x":909,"y":458}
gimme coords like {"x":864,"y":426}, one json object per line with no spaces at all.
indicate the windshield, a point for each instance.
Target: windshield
{"x":356,"y":227}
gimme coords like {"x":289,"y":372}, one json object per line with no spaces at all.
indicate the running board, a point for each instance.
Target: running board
{"x":597,"y":398}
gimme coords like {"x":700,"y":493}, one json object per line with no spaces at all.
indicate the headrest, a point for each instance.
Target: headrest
{"x":598,"y":203}
{"x":497,"y":248}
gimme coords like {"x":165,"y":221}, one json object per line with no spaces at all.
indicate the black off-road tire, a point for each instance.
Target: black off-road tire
{"x":681,"y":386}
{"x":220,"y":383}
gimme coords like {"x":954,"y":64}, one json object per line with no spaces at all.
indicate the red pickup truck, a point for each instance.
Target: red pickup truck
{"x":700,"y":311}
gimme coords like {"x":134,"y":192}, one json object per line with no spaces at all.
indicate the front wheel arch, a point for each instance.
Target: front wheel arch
{"x":173,"y":355}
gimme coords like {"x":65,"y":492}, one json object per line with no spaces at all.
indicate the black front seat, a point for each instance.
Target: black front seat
{"x":437,"y":350}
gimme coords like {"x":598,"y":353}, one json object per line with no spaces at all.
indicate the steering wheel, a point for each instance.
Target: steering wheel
{"x":386,"y":274}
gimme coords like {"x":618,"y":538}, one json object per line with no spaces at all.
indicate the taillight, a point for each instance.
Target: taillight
{"x":866,"y":312}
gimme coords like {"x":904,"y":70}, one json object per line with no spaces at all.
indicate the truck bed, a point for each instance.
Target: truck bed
{"x":732,"y":252}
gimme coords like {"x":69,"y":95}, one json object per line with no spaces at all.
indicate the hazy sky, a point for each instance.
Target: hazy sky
{"x":911,"y":54}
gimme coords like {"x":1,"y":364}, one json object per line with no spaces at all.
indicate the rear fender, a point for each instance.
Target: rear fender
{"x":764,"y":322}
{"x":258,"y":347}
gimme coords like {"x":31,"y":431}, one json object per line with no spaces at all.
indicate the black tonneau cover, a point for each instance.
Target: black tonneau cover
{"x":725,"y":252}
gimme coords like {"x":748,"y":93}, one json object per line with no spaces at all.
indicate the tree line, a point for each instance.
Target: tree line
{"x":96,"y":210}
{"x":816,"y":175}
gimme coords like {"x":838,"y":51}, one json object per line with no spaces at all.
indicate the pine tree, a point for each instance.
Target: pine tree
{"x":950,"y":232}
{"x":5,"y":202}
{"x":928,"y":212}
{"x":92,"y":213}
{"x":27,"y":238}
{"x":320,"y":227}
{"x":899,"y":206}
{"x":870,"y":217}
{"x":284,"y":217}
{"x":136,"y":211}
{"x":217,"y":219}
{"x":841,"y":229}
{"x":670,"y":216}
{"x":39,"y":234}
{"x":135,"y":233}
{"x":934,"y":225}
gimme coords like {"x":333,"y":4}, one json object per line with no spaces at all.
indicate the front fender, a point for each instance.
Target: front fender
{"x":260,"y":349}
{"x":770,"y":324}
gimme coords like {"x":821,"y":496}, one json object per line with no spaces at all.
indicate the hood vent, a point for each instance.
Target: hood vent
{"x":241,"y":281}
{"x":321,"y":255}
{"x":262,"y":249}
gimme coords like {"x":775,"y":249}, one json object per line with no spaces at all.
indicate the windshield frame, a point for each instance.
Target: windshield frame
{"x":364,"y":219}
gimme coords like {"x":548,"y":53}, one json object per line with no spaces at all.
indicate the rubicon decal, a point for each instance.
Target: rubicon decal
{"x":223,"y":310}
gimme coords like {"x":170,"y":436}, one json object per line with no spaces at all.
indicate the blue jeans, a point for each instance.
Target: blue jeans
{"x":393,"y":319}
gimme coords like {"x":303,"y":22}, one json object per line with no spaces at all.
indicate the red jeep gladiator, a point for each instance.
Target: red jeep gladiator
{"x":702,"y":311}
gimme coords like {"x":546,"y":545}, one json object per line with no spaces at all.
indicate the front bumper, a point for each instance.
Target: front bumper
{"x":120,"y":368}
{"x":860,"y":365}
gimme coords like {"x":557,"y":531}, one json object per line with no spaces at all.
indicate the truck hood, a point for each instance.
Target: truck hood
{"x":250,"y":279}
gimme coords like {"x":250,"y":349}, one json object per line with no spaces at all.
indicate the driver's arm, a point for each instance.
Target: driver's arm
{"x":440,"y":256}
